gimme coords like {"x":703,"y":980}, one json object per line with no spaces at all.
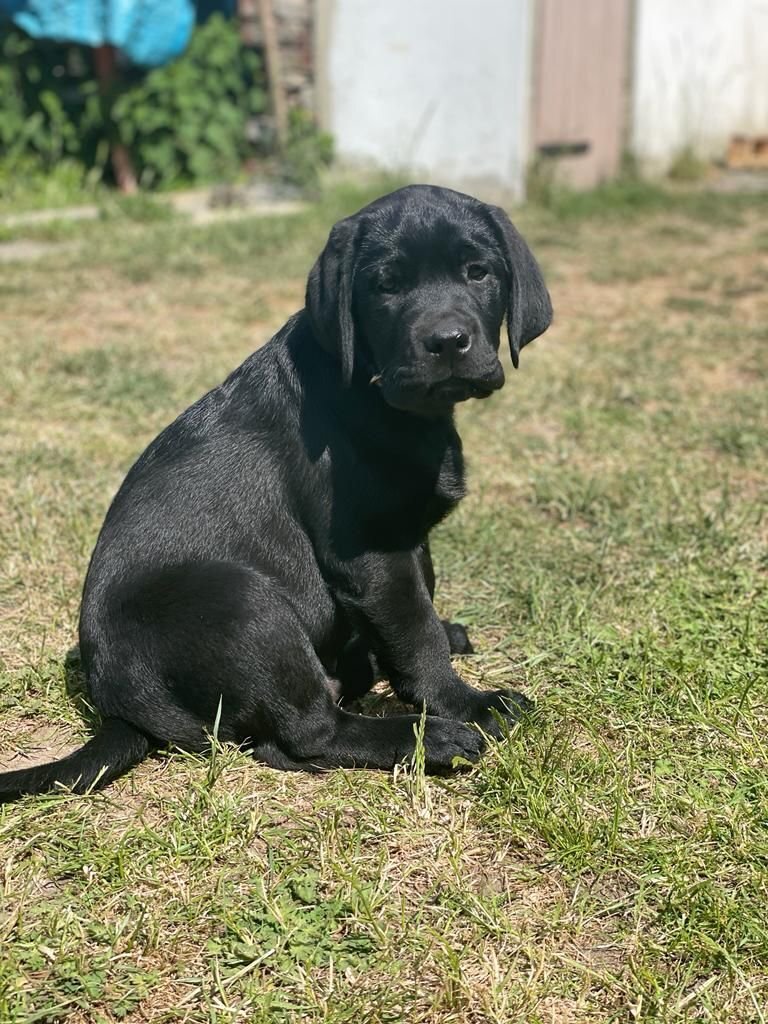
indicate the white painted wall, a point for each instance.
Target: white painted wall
{"x":701,"y":75}
{"x":438,"y":89}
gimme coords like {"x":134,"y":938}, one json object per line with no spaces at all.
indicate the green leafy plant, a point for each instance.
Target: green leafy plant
{"x":187,"y":121}
{"x":50,"y":121}
{"x":296,"y":926}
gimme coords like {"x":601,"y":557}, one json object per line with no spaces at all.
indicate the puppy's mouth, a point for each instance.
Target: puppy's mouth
{"x":459,"y":390}
{"x":434,"y":398}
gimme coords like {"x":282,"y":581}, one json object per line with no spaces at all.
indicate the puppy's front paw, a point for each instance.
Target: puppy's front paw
{"x":510,"y":704}
{"x":445,"y":739}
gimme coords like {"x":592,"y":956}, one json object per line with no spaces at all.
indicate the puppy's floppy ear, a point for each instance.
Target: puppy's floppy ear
{"x":529,"y":308}
{"x":329,"y":294}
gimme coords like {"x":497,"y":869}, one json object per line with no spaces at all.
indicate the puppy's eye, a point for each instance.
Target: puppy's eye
{"x":388,"y":284}
{"x":476,"y":271}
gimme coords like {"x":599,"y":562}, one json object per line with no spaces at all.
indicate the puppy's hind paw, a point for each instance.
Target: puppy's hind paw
{"x":446,"y":740}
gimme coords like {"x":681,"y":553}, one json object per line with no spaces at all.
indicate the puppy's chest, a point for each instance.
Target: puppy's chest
{"x":415,"y":495}
{"x":450,"y":487}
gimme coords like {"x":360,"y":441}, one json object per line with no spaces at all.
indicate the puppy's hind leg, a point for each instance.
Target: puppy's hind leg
{"x":329,"y":737}
{"x":307,"y":730}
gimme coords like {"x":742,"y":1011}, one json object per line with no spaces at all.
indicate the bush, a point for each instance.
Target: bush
{"x":185,"y":122}
{"x":49,"y":104}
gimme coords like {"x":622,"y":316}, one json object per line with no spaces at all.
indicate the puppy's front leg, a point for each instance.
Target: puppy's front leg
{"x":388,"y":595}
{"x":458,"y":640}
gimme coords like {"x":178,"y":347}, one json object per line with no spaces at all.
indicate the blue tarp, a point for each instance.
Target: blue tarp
{"x":148,"y":32}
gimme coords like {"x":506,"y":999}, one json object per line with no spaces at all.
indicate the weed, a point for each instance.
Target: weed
{"x":687,"y":166}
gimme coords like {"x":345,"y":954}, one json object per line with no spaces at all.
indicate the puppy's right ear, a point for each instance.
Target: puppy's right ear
{"x":329,"y":294}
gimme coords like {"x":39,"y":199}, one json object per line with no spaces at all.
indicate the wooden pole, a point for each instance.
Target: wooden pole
{"x":274,"y":70}
{"x":107,"y":75}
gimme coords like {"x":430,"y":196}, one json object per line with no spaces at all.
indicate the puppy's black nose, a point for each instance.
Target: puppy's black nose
{"x":448,"y":343}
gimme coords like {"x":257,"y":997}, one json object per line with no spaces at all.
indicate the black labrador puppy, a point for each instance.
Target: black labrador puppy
{"x":270,"y":546}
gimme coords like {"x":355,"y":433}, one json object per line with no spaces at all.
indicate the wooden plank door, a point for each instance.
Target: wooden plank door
{"x":581,"y":82}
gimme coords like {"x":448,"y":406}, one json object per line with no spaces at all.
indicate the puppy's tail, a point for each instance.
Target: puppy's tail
{"x":116,"y":747}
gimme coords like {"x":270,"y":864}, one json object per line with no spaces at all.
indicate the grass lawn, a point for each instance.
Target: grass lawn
{"x":609,"y":863}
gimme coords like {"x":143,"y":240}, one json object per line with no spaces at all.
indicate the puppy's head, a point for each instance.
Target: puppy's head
{"x":411,"y":292}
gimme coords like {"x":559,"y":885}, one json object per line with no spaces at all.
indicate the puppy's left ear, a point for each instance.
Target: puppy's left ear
{"x":529,"y":307}
{"x":329,"y":294}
